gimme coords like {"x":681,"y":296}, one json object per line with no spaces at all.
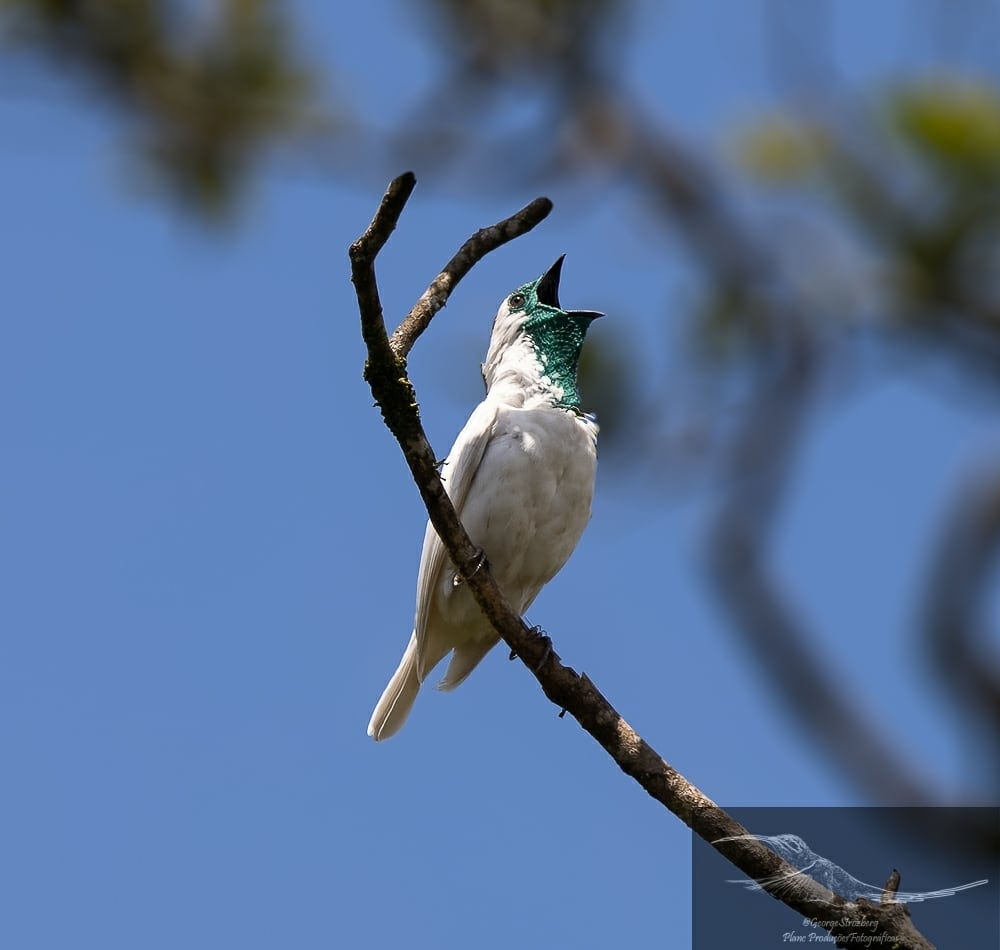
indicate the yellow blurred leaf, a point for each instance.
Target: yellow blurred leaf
{"x":778,"y":150}
{"x":954,"y":121}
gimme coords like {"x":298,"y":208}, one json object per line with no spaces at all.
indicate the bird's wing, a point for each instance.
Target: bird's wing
{"x":457,"y":474}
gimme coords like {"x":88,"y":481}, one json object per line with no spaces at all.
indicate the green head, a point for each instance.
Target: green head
{"x":556,"y":335}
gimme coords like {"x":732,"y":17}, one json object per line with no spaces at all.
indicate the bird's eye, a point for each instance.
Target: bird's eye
{"x":515,"y":301}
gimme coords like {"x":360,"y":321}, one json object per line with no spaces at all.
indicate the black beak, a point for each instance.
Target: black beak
{"x":548,"y":291}
{"x":548,"y":285}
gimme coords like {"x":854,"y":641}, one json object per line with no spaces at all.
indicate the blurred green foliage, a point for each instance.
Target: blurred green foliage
{"x":518,"y":41}
{"x":210,"y":88}
{"x":914,"y":187}
{"x":952,"y":124}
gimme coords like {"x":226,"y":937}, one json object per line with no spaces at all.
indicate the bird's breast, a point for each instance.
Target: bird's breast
{"x":531,"y":497}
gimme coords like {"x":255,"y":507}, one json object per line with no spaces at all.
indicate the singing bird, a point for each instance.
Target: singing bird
{"x":521,"y":478}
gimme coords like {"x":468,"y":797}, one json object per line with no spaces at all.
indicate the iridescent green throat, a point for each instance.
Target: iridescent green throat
{"x":557,"y":336}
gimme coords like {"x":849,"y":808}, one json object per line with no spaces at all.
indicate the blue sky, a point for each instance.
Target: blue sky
{"x":210,"y":546}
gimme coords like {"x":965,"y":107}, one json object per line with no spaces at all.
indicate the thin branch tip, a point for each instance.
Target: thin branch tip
{"x":483,"y":242}
{"x":365,"y":249}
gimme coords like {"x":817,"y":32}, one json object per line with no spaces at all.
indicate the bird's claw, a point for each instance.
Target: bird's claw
{"x":539,"y":633}
{"x":458,"y":580}
{"x":547,"y":641}
{"x":480,"y":561}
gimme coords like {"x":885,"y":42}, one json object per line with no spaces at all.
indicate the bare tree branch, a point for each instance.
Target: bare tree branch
{"x":570,"y":691}
{"x":475,"y":249}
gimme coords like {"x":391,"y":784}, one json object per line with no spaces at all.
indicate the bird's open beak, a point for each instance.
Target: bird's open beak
{"x":548,"y":291}
{"x":548,"y":285}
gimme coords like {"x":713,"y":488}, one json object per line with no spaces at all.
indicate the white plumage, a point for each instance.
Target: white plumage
{"x":521,"y":478}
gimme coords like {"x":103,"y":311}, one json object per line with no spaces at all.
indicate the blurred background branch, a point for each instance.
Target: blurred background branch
{"x":957,"y":635}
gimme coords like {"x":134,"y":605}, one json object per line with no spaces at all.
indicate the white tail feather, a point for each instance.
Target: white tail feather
{"x":397,"y":698}
{"x":463,"y":661}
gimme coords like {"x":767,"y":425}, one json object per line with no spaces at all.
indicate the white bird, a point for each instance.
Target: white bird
{"x":521,"y":478}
